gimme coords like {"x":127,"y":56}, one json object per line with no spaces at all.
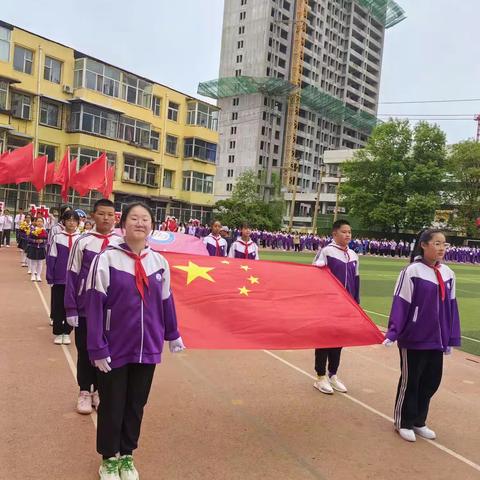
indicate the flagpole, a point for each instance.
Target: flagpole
{"x":37,"y":119}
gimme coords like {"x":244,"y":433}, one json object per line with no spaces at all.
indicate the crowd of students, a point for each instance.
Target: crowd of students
{"x":114,"y":292}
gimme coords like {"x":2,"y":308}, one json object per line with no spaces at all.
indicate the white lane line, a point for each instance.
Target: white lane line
{"x":66,"y":351}
{"x":441,"y":447}
{"x":386,"y":316}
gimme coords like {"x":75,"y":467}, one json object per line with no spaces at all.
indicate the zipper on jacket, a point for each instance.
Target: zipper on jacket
{"x":80,"y":290}
{"x":141,"y":325}
{"x":107,"y":320}
{"x":415,"y":315}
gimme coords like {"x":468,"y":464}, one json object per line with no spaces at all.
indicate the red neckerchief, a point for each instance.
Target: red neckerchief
{"x":106,"y":238}
{"x":246,"y":247}
{"x":140,"y":275}
{"x":70,"y":238}
{"x":441,"y":283}
{"x":217,"y":246}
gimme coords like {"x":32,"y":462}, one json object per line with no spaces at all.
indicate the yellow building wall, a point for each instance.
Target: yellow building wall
{"x":61,"y":138}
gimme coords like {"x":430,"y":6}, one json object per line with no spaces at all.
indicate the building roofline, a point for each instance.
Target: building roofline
{"x":76,"y":52}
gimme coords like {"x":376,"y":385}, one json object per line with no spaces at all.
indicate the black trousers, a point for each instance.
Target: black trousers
{"x":57,"y":312}
{"x":123,"y":396}
{"x":321,"y":357}
{"x":421,"y":374}
{"x":86,"y":372}
{"x":6,"y":237}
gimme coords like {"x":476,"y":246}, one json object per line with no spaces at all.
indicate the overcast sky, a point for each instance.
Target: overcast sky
{"x":433,"y":54}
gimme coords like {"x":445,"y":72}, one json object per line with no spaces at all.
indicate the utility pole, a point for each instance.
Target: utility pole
{"x":317,"y":201}
{"x":335,"y":214}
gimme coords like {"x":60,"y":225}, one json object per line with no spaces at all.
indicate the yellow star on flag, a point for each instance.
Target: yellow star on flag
{"x":195,"y":271}
{"x":244,"y":291}
{"x":253,"y":279}
{"x":226,"y":262}
{"x":245,"y":267}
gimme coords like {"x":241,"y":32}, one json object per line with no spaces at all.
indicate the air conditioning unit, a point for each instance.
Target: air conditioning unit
{"x":67,"y":89}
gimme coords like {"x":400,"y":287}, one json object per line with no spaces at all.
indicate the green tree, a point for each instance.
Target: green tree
{"x":464,"y":164}
{"x":396,"y":181}
{"x":246,"y":205}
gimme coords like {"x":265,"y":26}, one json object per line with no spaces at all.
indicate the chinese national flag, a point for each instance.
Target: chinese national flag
{"x":91,"y":176}
{"x":225,"y":303}
{"x":39,"y":176}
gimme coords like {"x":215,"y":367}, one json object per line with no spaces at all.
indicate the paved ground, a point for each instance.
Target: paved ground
{"x":225,"y":414}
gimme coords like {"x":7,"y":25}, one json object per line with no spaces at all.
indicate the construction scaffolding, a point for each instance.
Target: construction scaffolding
{"x":233,"y":86}
{"x":387,"y":12}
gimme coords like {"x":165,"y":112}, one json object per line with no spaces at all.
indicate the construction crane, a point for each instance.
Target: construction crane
{"x":290,"y":166}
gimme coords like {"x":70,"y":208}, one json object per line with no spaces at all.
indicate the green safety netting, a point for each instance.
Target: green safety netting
{"x":387,"y":12}
{"x":335,"y":110}
{"x":232,"y":86}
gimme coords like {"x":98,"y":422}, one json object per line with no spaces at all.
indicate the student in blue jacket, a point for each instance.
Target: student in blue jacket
{"x":424,"y":321}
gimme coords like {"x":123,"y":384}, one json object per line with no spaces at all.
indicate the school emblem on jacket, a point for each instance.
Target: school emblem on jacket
{"x":158,"y":277}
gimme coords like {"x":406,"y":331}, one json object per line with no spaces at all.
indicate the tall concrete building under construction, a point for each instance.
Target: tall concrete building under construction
{"x":297,"y":78}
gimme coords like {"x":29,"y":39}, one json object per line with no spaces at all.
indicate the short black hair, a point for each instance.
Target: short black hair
{"x":70,"y":214}
{"x":339,"y":224}
{"x":126,"y":210}
{"x":63,"y":209}
{"x":103,"y":202}
{"x":214,"y":221}
{"x":245,"y":225}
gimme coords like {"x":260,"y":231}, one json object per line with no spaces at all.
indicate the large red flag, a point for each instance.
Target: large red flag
{"x":107,"y":189}
{"x":17,"y":166}
{"x":91,"y":176}
{"x":39,"y":176}
{"x":225,"y":303}
{"x":72,"y":171}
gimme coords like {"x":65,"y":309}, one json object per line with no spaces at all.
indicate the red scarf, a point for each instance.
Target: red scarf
{"x":441,"y":283}
{"x":106,"y":239}
{"x":140,"y":275}
{"x":70,"y":239}
{"x":217,"y":247}
{"x":246,"y":247}
{"x":343,"y":249}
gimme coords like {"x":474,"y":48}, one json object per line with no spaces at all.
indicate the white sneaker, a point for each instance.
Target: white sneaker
{"x":337,"y":384}
{"x":51,"y":322}
{"x":425,"y":432}
{"x":127,"y":468}
{"x":84,"y":403}
{"x":58,"y":340}
{"x":39,"y":279}
{"x":66,"y":339}
{"x":109,"y":469}
{"x":323,"y":385}
{"x":29,"y":272}
{"x":33,"y":277}
{"x":407,"y":434}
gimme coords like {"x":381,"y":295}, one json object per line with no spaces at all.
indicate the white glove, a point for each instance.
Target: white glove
{"x":176,"y":345}
{"x":103,"y":364}
{"x":448,"y":351}
{"x":73,"y":321}
{"x":387,"y":342}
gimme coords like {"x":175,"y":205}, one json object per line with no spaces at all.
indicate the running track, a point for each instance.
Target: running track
{"x":226,"y":414}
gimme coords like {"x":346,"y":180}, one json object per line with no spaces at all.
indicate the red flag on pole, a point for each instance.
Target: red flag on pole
{"x":61,"y":174}
{"x":17,"y":166}
{"x":50,"y":174}
{"x":91,"y":176}
{"x":5,"y":175}
{"x":107,"y":189}
{"x":225,"y":303}
{"x":39,"y":176}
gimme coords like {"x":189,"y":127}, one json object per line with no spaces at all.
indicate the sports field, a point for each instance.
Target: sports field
{"x":378,"y":276}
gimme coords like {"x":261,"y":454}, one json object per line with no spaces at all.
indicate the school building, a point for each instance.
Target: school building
{"x":162,"y":142}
